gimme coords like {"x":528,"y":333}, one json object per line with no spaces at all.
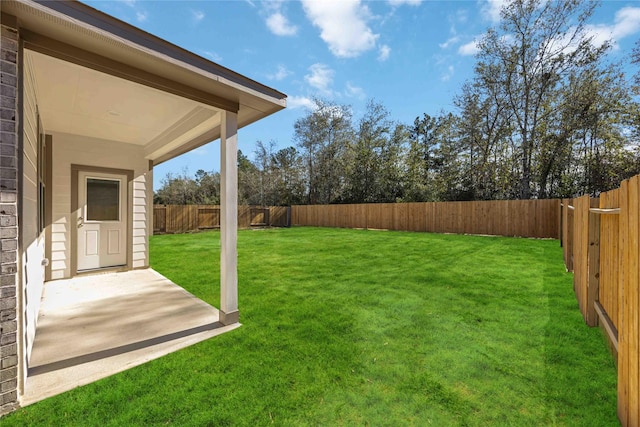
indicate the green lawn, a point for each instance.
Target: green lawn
{"x":354,"y":327}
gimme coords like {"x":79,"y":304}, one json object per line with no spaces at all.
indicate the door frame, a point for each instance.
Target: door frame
{"x":75,"y":214}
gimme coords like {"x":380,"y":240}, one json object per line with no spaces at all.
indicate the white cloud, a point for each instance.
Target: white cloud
{"x":490,"y":9}
{"x":462,"y":16}
{"x":343,"y":25}
{"x":446,"y":76}
{"x":354,"y":91}
{"x":407,"y":2}
{"x":470,"y":48}
{"x":449,"y":42}
{"x":320,"y":78}
{"x":299,"y":102}
{"x":280,"y":26}
{"x":211,"y":55}
{"x":626,"y":23}
{"x":280,"y":74}
{"x":383,"y":52}
{"x":197,"y":15}
{"x":142,"y":15}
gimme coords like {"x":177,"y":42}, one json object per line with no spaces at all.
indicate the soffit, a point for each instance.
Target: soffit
{"x":81,"y":101}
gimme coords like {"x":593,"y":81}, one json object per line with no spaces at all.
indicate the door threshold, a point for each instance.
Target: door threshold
{"x":103,"y":270}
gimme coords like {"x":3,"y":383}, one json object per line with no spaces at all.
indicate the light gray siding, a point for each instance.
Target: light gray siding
{"x":79,"y":150}
{"x":32,"y":240}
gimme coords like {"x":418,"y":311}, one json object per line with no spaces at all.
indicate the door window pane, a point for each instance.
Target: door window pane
{"x":103,"y":200}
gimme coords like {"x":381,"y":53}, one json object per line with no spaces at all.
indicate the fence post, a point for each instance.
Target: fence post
{"x":593,"y":265}
{"x":569,"y":242}
{"x":561,"y":208}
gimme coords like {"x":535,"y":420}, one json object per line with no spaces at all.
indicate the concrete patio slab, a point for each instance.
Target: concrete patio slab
{"x":94,"y":326}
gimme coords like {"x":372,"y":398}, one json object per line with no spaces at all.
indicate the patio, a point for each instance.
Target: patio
{"x":93,"y":326}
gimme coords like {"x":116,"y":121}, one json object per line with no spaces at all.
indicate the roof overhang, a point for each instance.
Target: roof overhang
{"x":78,"y":50}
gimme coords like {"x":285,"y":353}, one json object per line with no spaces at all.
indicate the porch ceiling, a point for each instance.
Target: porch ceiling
{"x":82,"y":101}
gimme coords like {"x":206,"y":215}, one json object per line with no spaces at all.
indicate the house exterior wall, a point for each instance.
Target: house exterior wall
{"x":32,"y":238}
{"x":70,"y":150}
{"x":9,"y":124}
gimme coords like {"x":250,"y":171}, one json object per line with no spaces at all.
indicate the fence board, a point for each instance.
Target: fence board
{"x":623,"y":335}
{"x":524,"y":218}
{"x":615,"y":272}
{"x":580,"y":251}
{"x":567,"y":232}
{"x":631,"y":293}
{"x":609,"y":277}
{"x":279,"y":216}
{"x":400,"y":216}
{"x":593,"y":264}
{"x":159,"y":219}
{"x":184,"y":219}
{"x":416,"y":217}
{"x":208,"y":217}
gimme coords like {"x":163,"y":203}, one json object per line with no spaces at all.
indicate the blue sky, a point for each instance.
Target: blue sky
{"x":410,"y":55}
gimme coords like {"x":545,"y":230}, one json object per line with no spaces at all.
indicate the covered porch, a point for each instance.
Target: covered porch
{"x":96,"y":104}
{"x":94,"y":326}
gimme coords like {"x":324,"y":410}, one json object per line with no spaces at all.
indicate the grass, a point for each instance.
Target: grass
{"x":353,"y":327}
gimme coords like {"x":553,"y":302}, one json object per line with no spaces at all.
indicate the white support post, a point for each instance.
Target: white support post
{"x":229,"y":218}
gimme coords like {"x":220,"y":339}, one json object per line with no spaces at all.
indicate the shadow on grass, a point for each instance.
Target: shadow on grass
{"x":579,"y":370}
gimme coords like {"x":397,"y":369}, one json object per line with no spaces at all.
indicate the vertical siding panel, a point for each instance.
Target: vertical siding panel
{"x":33,"y":244}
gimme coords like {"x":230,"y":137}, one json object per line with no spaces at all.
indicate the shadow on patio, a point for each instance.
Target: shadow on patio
{"x":90,"y":327}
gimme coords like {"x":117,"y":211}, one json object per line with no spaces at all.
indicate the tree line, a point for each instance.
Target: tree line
{"x":545,"y":115}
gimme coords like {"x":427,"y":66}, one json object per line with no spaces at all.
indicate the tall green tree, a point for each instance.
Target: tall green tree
{"x":365,"y":156}
{"x":323,"y":135}
{"x":484,"y":129}
{"x":207,"y":188}
{"x":538,"y":44}
{"x":177,"y":189}
{"x":392,"y":172}
{"x":248,"y":181}
{"x":420,"y":160}
{"x":288,"y":166}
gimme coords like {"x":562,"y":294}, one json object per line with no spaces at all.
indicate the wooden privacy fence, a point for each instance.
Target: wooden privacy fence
{"x":601,"y":246}
{"x":524,"y":218}
{"x":188,"y":218}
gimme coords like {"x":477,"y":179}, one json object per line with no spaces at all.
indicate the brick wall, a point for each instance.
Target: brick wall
{"x":8,"y":215}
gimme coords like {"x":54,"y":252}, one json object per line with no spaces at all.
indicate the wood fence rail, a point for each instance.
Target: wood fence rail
{"x":523,"y":218}
{"x":188,"y":218}
{"x":601,"y":245}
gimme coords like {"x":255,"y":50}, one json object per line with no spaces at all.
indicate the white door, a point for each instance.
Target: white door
{"x":102,"y":221}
